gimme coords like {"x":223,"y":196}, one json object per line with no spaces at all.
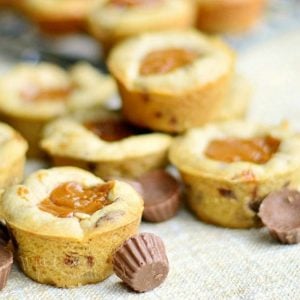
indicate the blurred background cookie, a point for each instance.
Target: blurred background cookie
{"x":103,"y":142}
{"x":228,"y":16}
{"x":111,"y":21}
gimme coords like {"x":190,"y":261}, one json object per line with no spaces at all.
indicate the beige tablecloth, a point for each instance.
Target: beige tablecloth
{"x":209,"y":262}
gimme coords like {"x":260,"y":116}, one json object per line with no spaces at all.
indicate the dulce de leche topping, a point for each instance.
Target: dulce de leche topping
{"x":258,"y":150}
{"x":36,"y":94}
{"x":71,"y":197}
{"x":112,"y":130}
{"x":167,"y":60}
{"x":133,"y":3}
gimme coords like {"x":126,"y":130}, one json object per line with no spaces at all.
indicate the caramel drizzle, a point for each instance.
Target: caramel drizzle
{"x":37,"y":95}
{"x":71,"y":197}
{"x":167,"y":60}
{"x":258,"y":150}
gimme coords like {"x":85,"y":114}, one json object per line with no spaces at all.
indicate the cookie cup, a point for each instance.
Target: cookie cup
{"x":32,"y":95}
{"x":186,"y":97}
{"x":68,"y":142}
{"x":73,"y":251}
{"x":57,"y":17}
{"x":227,"y":15}
{"x":229,"y":194}
{"x":111,"y":23}
{"x":13,"y":149}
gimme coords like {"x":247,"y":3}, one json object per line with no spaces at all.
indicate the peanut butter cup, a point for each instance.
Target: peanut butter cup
{"x":141,"y":262}
{"x":161,"y":194}
{"x":280,"y":212}
{"x":6,"y":261}
{"x":4,"y":235}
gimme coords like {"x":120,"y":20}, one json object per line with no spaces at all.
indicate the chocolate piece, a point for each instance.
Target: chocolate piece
{"x":161,"y":193}
{"x":6,"y":260}
{"x":280,"y":212}
{"x":4,"y":235}
{"x":141,"y":262}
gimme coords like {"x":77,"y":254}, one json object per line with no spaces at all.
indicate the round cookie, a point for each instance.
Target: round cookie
{"x":104,"y":143}
{"x":230,"y":168}
{"x":114,"y":20}
{"x":174,"y":80}
{"x":32,"y":95}
{"x":66,"y":224}
{"x":228,"y":15}
{"x":13,"y":150}
{"x":57,"y":17}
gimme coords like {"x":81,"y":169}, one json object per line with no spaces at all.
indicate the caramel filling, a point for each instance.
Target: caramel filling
{"x":133,"y":3}
{"x":35,"y":94}
{"x":165,"y":61}
{"x":258,"y":150}
{"x":71,"y":197}
{"x":112,"y":130}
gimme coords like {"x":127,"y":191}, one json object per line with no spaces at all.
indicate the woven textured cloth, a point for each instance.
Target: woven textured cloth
{"x":207,"y":262}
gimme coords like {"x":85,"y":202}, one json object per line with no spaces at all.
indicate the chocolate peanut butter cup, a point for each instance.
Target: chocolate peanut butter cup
{"x":280,"y":213}
{"x":6,"y":260}
{"x":141,"y":262}
{"x":4,"y":235}
{"x":161,"y":194}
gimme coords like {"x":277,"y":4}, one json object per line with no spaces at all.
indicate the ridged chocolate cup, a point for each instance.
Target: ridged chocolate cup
{"x":6,"y":261}
{"x":280,"y":213}
{"x":141,"y":262}
{"x":161,"y":194}
{"x":4,"y":235}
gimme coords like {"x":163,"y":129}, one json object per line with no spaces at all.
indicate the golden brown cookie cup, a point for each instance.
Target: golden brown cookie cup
{"x":69,"y":263}
{"x":57,"y":18}
{"x":233,"y":203}
{"x":153,"y":110}
{"x":162,"y":104}
{"x":229,"y":194}
{"x":31,"y":129}
{"x":13,"y":149}
{"x":73,"y":251}
{"x":81,"y":87}
{"x":129,"y":156}
{"x":103,"y":24}
{"x":228,"y":16}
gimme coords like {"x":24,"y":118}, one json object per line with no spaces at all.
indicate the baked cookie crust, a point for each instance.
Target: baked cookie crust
{"x":57,"y":17}
{"x":13,"y":149}
{"x":229,"y":194}
{"x":32,"y":95}
{"x":186,"y":97}
{"x":69,"y":142}
{"x":231,"y":16}
{"x":70,"y":251}
{"x":111,"y":23}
